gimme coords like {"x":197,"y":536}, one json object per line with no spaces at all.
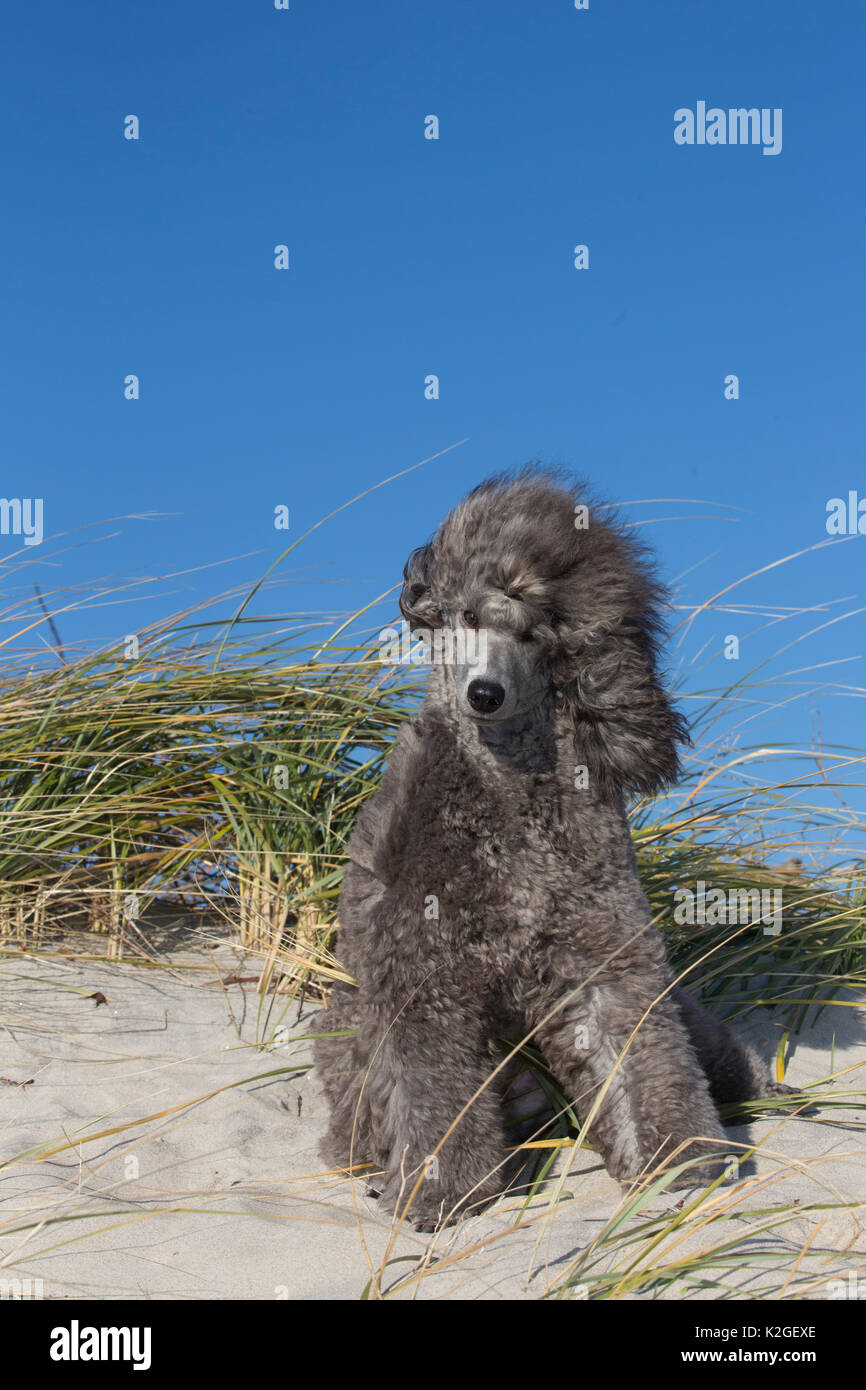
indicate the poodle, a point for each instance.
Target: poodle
{"x":492,"y":890}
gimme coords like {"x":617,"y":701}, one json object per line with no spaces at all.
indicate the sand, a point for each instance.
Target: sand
{"x":159,"y":1151}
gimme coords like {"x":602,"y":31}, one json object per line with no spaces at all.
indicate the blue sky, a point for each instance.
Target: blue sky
{"x":411,"y":256}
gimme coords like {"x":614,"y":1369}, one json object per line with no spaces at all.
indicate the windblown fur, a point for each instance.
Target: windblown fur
{"x":492,"y":890}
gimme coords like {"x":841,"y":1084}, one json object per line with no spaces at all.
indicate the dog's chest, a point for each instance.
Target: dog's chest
{"x":486,"y":862}
{"x":511,"y":858}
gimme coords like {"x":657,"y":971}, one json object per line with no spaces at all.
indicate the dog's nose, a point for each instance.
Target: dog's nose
{"x":485,"y":696}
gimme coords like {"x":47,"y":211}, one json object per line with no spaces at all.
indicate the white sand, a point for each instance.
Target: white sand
{"x":225,"y":1198}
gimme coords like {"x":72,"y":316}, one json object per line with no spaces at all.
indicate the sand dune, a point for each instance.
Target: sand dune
{"x":174,"y":1157}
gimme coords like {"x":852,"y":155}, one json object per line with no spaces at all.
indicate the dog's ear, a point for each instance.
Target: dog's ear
{"x":416,"y":601}
{"x":627,"y":730}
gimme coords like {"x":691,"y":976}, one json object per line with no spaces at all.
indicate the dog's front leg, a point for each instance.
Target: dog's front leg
{"x":644,"y":1098}
{"x":442,"y":1121}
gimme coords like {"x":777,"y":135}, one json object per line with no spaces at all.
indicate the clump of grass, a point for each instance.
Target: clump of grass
{"x":229,"y":788}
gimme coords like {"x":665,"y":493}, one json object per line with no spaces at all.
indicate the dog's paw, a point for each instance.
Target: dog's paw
{"x":429,"y":1209}
{"x":702,"y":1174}
{"x":796,"y":1102}
{"x":706,"y":1170}
{"x":426,"y":1222}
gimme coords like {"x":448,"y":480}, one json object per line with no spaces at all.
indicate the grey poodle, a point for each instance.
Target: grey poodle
{"x":492,"y":890}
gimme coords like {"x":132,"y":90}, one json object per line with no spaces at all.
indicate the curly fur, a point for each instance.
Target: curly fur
{"x":492,"y":892}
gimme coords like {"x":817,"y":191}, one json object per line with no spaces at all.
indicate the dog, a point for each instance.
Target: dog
{"x":492,"y":889}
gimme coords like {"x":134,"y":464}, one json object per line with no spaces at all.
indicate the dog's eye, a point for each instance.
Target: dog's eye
{"x":470,"y":618}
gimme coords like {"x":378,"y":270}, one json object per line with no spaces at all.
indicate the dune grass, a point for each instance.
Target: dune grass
{"x":232,"y":787}
{"x":161,"y":779}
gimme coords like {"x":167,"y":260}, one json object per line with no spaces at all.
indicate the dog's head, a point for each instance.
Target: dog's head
{"x":529,"y":589}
